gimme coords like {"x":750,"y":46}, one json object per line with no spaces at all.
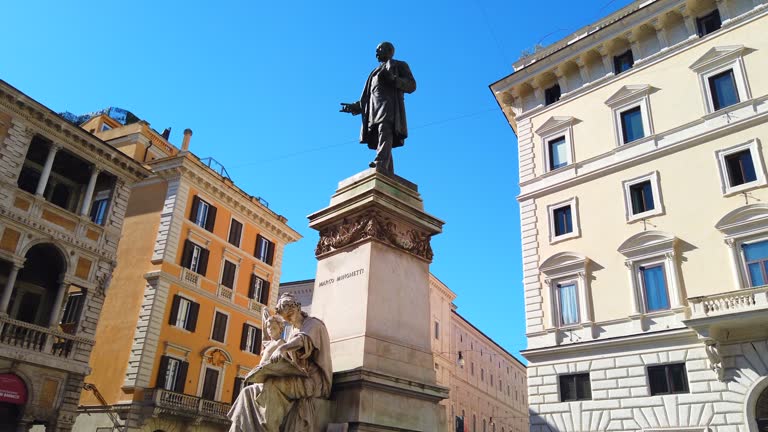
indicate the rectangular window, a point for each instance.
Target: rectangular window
{"x":654,"y":288}
{"x":623,"y":62}
{"x":250,"y":340}
{"x":568,"y":303}
{"x":184,"y":313}
{"x":235,"y":232}
{"x":99,"y":211}
{"x":632,"y":124}
{"x":563,"y":221}
{"x":740,"y":168}
{"x":265,"y":250}
{"x":172,"y":374}
{"x":641,"y":195}
{"x":437,"y":330}
{"x":228,"y":274}
{"x":195,"y":258}
{"x":259,"y":290}
{"x":668,"y":379}
{"x":73,"y":308}
{"x":203,"y":214}
{"x":722,"y":88}
{"x":210,"y":384}
{"x":219,"y":327}
{"x":552,"y":94}
{"x":756,"y":257}
{"x":575,"y":387}
{"x":708,"y":23}
{"x":558,"y":153}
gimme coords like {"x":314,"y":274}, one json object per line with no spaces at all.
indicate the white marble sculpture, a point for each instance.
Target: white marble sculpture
{"x":291,"y":374}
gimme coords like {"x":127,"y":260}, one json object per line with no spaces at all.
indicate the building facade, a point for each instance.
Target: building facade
{"x":644,"y":219}
{"x":487,"y":384}
{"x":63,"y":199}
{"x":199,"y":260}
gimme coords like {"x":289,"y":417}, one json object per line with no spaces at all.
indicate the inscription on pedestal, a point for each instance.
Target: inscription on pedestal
{"x":341,"y":277}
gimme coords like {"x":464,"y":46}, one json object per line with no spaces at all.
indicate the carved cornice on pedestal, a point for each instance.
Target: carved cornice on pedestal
{"x":373,"y":225}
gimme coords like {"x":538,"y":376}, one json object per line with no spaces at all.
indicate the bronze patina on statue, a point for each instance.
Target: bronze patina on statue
{"x":382,"y":107}
{"x":281,"y":390}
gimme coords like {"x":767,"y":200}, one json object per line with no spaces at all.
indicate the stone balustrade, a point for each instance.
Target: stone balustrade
{"x":26,"y":336}
{"x":187,"y":405}
{"x":729,"y":303}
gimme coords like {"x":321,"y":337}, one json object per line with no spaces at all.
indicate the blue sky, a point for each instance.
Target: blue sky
{"x":260,"y":83}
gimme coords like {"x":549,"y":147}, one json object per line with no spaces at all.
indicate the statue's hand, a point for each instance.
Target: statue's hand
{"x":386,"y":76}
{"x":277,"y":355}
{"x":352,"y":108}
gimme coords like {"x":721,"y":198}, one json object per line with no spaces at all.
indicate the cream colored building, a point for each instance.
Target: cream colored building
{"x":487,"y":384}
{"x":644,"y":215}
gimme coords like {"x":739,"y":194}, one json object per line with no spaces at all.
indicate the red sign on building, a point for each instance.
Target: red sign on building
{"x":12,"y":389}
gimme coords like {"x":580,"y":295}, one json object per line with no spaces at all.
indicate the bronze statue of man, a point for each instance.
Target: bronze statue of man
{"x":382,"y":106}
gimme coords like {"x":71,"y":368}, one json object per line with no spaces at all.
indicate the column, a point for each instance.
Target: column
{"x":552,"y":322}
{"x":583,"y":69}
{"x":46,"y":170}
{"x":735,"y":267}
{"x":634,"y":45}
{"x":538,"y":93}
{"x":675,"y":294}
{"x":633,"y":285}
{"x":725,"y":13}
{"x":89,"y":191}
{"x":689,"y":23}
{"x":561,"y":81}
{"x":607,"y":59}
{"x":9,"y":284}
{"x":56,"y":309}
{"x":661,"y":34}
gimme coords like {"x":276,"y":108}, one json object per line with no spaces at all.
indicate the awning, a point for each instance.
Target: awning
{"x":12,"y":389}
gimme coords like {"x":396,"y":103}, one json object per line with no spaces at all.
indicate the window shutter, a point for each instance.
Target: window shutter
{"x":244,"y":338}
{"x":186,"y":256}
{"x":257,"y":342}
{"x":194,"y":308}
{"x":161,"y":372}
{"x":251,"y":287}
{"x":181,"y":377}
{"x":202,"y":264}
{"x":259,"y":239}
{"x":211,"y":219}
{"x":195,"y":205}
{"x":264,"y":293}
{"x":270,"y":253}
{"x":237,"y":388}
{"x":174,"y":310}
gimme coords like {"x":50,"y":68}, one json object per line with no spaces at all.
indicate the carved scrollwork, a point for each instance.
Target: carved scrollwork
{"x":373,"y":225}
{"x":712,"y":349}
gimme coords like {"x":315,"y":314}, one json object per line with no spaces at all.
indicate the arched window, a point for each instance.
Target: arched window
{"x":484,"y":426}
{"x":474,"y":423}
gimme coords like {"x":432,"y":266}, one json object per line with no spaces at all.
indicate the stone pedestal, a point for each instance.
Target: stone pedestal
{"x":372,"y":292}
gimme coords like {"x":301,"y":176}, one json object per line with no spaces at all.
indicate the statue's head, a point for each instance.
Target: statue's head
{"x":286,"y":304}
{"x":275,"y":326}
{"x":385,"y":51}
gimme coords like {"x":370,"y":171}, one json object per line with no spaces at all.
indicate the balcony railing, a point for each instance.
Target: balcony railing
{"x":729,"y":303}
{"x":188,"y":406}
{"x":30,"y":337}
{"x":190,"y":277}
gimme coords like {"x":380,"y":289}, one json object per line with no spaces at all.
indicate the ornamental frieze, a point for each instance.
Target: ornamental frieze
{"x":372,"y":225}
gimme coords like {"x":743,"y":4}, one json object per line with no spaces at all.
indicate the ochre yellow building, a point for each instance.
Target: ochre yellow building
{"x":198,"y":261}
{"x":644,"y":219}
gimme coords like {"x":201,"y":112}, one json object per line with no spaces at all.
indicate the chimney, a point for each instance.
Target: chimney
{"x":187,"y":137}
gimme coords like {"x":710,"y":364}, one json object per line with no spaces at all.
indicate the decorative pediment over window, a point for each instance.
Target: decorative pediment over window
{"x":717,"y":55}
{"x":630,"y":93}
{"x":648,"y":243}
{"x":556,"y":123}
{"x":564,"y":262}
{"x":216,"y":356}
{"x":744,"y":220}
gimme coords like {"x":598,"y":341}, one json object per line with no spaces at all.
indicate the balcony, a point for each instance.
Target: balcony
{"x":182,"y":405}
{"x":729,"y":315}
{"x":19,"y":339}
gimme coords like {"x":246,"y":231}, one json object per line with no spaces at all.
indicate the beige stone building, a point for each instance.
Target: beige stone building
{"x":63,"y":198}
{"x":487,"y":384}
{"x":645,"y":219}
